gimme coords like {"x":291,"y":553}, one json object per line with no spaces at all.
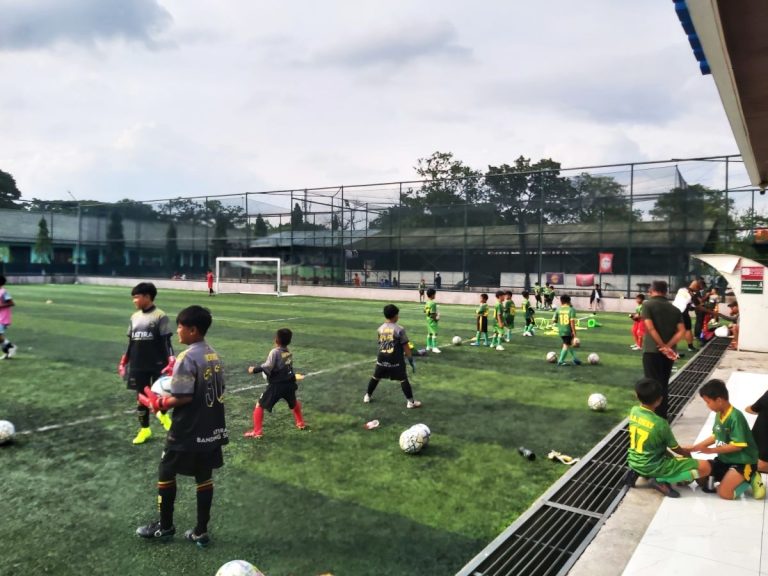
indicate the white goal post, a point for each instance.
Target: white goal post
{"x":277,"y":261}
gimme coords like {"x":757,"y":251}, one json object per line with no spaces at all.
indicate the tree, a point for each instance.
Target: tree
{"x":600,"y":199}
{"x":115,"y":240}
{"x":43,"y":244}
{"x":297,"y":216}
{"x":260,"y":228}
{"x":9,"y":192}
{"x":171,"y":248}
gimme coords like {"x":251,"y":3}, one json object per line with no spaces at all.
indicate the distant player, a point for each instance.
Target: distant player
{"x":393,"y":351}
{"x":198,"y":429}
{"x":149,"y":354}
{"x":7,"y":348}
{"x":281,"y":383}
{"x":509,"y":315}
{"x":649,"y":438}
{"x":498,"y":321}
{"x":422,"y":290}
{"x":565,"y":319}
{"x":209,"y":281}
{"x":432,"y":316}
{"x":735,"y":466}
{"x":529,"y":314}
{"x":537,"y":291}
{"x":481,"y":313}
{"x":549,"y":296}
{"x":638,"y":326}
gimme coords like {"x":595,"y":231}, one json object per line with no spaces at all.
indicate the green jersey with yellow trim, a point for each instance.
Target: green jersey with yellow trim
{"x":732,"y":428}
{"x":649,"y":438}
{"x":562,"y":318}
{"x":482,"y":310}
{"x":528,"y":309}
{"x":430,"y":310}
{"x":509,"y":308}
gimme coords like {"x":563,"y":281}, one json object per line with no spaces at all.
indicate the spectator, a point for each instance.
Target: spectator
{"x":595,"y":298}
{"x":438,"y":281}
{"x":356,"y":280}
{"x":734,"y":329}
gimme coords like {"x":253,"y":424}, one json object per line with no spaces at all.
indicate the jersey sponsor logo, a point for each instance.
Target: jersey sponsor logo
{"x":142,"y":335}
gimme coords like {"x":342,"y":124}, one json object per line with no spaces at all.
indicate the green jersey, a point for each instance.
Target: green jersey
{"x":482,"y":310}
{"x":430,"y":310}
{"x":537,"y":290}
{"x":562,"y":318}
{"x":509,"y":308}
{"x":649,"y":438}
{"x":498,"y":313}
{"x":528,"y":309}
{"x":732,"y":428}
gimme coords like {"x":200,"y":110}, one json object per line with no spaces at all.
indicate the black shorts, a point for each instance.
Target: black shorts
{"x":285,"y":390}
{"x":482,"y":323}
{"x":567,"y":340}
{"x":686,"y":320}
{"x":174,"y":462}
{"x":390,"y":373}
{"x":138,"y":380}
{"x":720,"y":469}
{"x":421,"y":292}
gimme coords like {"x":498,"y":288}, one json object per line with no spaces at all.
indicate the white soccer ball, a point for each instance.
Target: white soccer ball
{"x":422,"y":429}
{"x":597,"y":402}
{"x":551,"y":357}
{"x":162,"y":386}
{"x":593,"y":358}
{"x":456,"y":341}
{"x":575,"y":342}
{"x":7,"y":431}
{"x":49,"y":301}
{"x":721,"y":331}
{"x":412,"y":441}
{"x":238,"y":568}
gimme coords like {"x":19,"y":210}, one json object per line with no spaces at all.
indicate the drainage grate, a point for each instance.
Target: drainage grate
{"x":551,"y":535}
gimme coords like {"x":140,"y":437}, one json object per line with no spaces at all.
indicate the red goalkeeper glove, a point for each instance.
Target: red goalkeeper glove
{"x":168,"y":370}
{"x":153,"y":401}
{"x":121,"y":366}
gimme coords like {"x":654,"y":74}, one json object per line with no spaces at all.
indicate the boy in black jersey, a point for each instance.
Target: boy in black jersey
{"x":282,"y":383}
{"x":390,"y":361}
{"x":149,"y":354}
{"x":198,"y":429}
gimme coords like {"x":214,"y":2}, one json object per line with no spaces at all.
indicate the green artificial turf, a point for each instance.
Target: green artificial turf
{"x":337,"y":498}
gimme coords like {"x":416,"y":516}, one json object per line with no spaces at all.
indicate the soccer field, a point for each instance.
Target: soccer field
{"x":337,"y":498}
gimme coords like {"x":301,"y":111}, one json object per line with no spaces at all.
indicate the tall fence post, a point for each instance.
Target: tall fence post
{"x":540,"y":264}
{"x":629,"y":228}
{"x":399,"y":228}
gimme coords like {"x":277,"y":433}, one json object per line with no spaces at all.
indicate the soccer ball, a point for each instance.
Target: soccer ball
{"x":238,"y":568}
{"x":597,"y":402}
{"x":575,"y":342}
{"x":7,"y":431}
{"x":593,"y":358}
{"x":162,"y":386}
{"x":456,"y":341}
{"x":422,"y":429}
{"x":721,"y":331}
{"x":413,"y":440}
{"x":551,"y":357}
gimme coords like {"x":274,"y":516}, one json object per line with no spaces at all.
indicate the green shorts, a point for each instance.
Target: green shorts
{"x":670,"y":467}
{"x":432,"y":326}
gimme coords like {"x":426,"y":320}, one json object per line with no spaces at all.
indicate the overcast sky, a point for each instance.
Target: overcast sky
{"x":150,"y":99}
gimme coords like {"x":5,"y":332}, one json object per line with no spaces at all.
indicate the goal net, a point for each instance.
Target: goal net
{"x":233,"y":270}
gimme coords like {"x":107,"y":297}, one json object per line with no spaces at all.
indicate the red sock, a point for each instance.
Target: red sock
{"x":297,"y":415}
{"x":258,"y":420}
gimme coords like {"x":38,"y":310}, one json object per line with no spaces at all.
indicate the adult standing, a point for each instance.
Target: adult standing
{"x":209,"y":281}
{"x":595,"y":298}
{"x":438,"y":281}
{"x":663,"y":330}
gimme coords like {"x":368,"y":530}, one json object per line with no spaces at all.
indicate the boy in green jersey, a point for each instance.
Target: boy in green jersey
{"x":735,"y":465}
{"x":537,"y":294}
{"x":509,"y":315}
{"x":649,"y":438}
{"x":565,"y":318}
{"x":498,"y":321}
{"x":430,"y":310}
{"x":529,"y":315}
{"x":482,"y":321}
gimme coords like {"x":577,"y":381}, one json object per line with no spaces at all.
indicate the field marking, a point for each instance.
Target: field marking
{"x":50,"y":427}
{"x":224,"y":319}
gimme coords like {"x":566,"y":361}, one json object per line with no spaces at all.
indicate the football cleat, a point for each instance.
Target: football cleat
{"x":202,"y":540}
{"x":12,"y":351}
{"x":758,"y":488}
{"x":154,"y":531}
{"x":367,"y":399}
{"x":435,"y":350}
{"x":413,"y":404}
{"x":500,"y":348}
{"x":143,"y":435}
{"x":164,"y":419}
{"x":252,"y":434}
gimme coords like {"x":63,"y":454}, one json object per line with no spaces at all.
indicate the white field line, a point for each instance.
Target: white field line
{"x":225,"y":319}
{"x":50,"y":427}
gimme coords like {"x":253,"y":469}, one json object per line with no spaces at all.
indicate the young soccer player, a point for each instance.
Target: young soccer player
{"x":638,"y":326}
{"x":281,"y":383}
{"x":549,"y":296}
{"x":509,"y":315}
{"x":422,"y":290}
{"x":390,"y":361}
{"x":649,"y":438}
{"x":433,"y":316}
{"x":498,"y":321}
{"x":529,"y":314}
{"x":760,"y":431}
{"x":565,"y":318}
{"x":149,"y":354}
{"x":537,"y":294}
{"x":198,"y":429}
{"x":7,"y":348}
{"x":482,"y":321}
{"x":735,"y":465}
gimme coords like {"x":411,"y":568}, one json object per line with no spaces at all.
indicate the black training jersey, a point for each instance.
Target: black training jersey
{"x":279,"y":366}
{"x":392,"y":343}
{"x":149,"y":335}
{"x":198,"y":426}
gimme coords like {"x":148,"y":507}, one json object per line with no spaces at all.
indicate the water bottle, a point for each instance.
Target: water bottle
{"x":526,"y":453}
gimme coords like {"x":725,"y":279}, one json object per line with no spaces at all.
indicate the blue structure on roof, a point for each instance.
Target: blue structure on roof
{"x":693,"y":39}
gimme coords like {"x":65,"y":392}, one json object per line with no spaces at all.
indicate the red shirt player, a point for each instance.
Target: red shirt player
{"x":209,"y":280}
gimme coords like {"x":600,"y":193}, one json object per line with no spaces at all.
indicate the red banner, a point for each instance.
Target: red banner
{"x":605,"y":264}
{"x":585,"y":279}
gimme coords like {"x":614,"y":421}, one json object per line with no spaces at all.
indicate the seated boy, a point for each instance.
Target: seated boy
{"x":649,"y":438}
{"x":735,"y":466}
